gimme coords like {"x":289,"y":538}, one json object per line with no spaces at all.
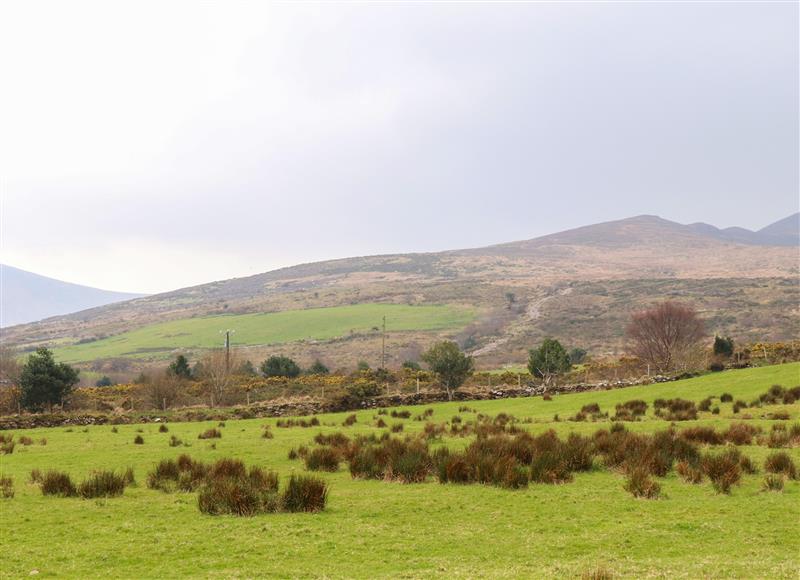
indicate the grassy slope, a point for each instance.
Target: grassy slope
{"x":268,"y":328}
{"x":385,"y":529}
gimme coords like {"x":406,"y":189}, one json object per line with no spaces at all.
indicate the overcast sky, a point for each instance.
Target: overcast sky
{"x":149,"y":146}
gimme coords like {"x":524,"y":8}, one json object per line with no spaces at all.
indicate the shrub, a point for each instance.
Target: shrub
{"x":772,"y":482}
{"x":723,"y":470}
{"x":138,"y":440}
{"x":163,"y":428}
{"x":6,"y":487}
{"x":715,"y":411}
{"x":322,"y":459}
{"x":726,"y":398}
{"x":57,"y":483}
{"x":705,"y":405}
{"x":780,"y":462}
{"x":102,"y":484}
{"x":305,"y":494}
{"x":210,"y":434}
{"x":350,"y":420}
{"x":639,"y":484}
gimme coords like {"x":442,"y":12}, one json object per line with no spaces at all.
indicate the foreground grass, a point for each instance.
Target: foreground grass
{"x":268,"y":328}
{"x":379,"y":529}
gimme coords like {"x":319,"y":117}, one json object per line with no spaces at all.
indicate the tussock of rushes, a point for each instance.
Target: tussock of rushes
{"x":741,"y":433}
{"x":57,"y":483}
{"x":36,"y":476}
{"x":24,"y":440}
{"x":722,"y":469}
{"x":400,"y":414}
{"x":287,"y":423}
{"x":305,"y":494}
{"x":639,"y":484}
{"x":138,"y":440}
{"x":6,"y":487}
{"x":174,"y":441}
{"x":630,"y":410}
{"x":397,"y":428}
{"x":780,"y":462}
{"x":675,"y":409}
{"x":210,"y":434}
{"x":688,"y":472}
{"x":267,"y":433}
{"x":323,"y":459}
{"x":163,"y":428}
{"x":102,"y":484}
{"x":773,"y":482}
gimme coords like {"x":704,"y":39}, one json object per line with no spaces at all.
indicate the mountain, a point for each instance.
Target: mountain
{"x":28,"y":297}
{"x":578,"y":285}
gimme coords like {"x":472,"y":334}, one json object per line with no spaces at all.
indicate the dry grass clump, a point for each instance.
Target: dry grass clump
{"x":656,"y":453}
{"x":305,"y":494}
{"x":466,"y":409}
{"x":599,"y":573}
{"x":138,"y":440}
{"x":102,"y":484}
{"x":212,"y":433}
{"x":741,"y":433}
{"x":738,"y":406}
{"x":639,"y":484}
{"x":705,"y":405}
{"x":6,"y":487}
{"x":726,"y":398}
{"x":380,"y":423}
{"x":350,"y":420}
{"x":323,"y":459}
{"x":724,"y":469}
{"x":630,"y":410}
{"x":25,"y":440}
{"x":589,"y":412}
{"x":6,"y":444}
{"x":231,"y":489}
{"x":778,"y":437}
{"x":175,"y":441}
{"x":706,"y":435}
{"x":406,"y":460}
{"x":780,"y":462}
{"x":688,"y":472}
{"x":675,"y":409}
{"x":397,"y":428}
{"x":337,"y":439}
{"x":163,"y":428}
{"x":773,"y":482}
{"x":400,"y":414}
{"x":777,"y":395}
{"x":287,"y":423}
{"x":57,"y":483}
{"x":267,"y":433}
{"x":35,"y":476}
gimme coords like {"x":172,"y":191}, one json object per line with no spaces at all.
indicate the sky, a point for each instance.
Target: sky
{"x":147,"y":146}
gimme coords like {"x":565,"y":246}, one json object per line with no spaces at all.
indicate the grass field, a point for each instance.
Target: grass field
{"x":381,"y":529}
{"x":267,"y":328}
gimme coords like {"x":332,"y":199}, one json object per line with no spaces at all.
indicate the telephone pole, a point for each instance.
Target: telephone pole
{"x":228,"y":333}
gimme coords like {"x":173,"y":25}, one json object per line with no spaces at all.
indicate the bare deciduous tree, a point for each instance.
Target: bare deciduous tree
{"x":163,"y":390}
{"x":666,"y":336}
{"x":217,"y":373}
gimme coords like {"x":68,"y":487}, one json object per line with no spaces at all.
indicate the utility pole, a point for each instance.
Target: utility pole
{"x":228,"y":333}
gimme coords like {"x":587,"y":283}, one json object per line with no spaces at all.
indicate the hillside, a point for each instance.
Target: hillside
{"x":28,"y":297}
{"x":579,"y":285}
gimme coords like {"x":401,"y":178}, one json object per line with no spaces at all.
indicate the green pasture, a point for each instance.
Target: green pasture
{"x":388,"y":530}
{"x":158,"y":340}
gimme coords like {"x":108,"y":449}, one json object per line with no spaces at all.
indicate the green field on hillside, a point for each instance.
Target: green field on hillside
{"x":387,"y":529}
{"x":268,"y":328}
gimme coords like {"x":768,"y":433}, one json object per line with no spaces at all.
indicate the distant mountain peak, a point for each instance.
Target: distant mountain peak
{"x":29,"y":297}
